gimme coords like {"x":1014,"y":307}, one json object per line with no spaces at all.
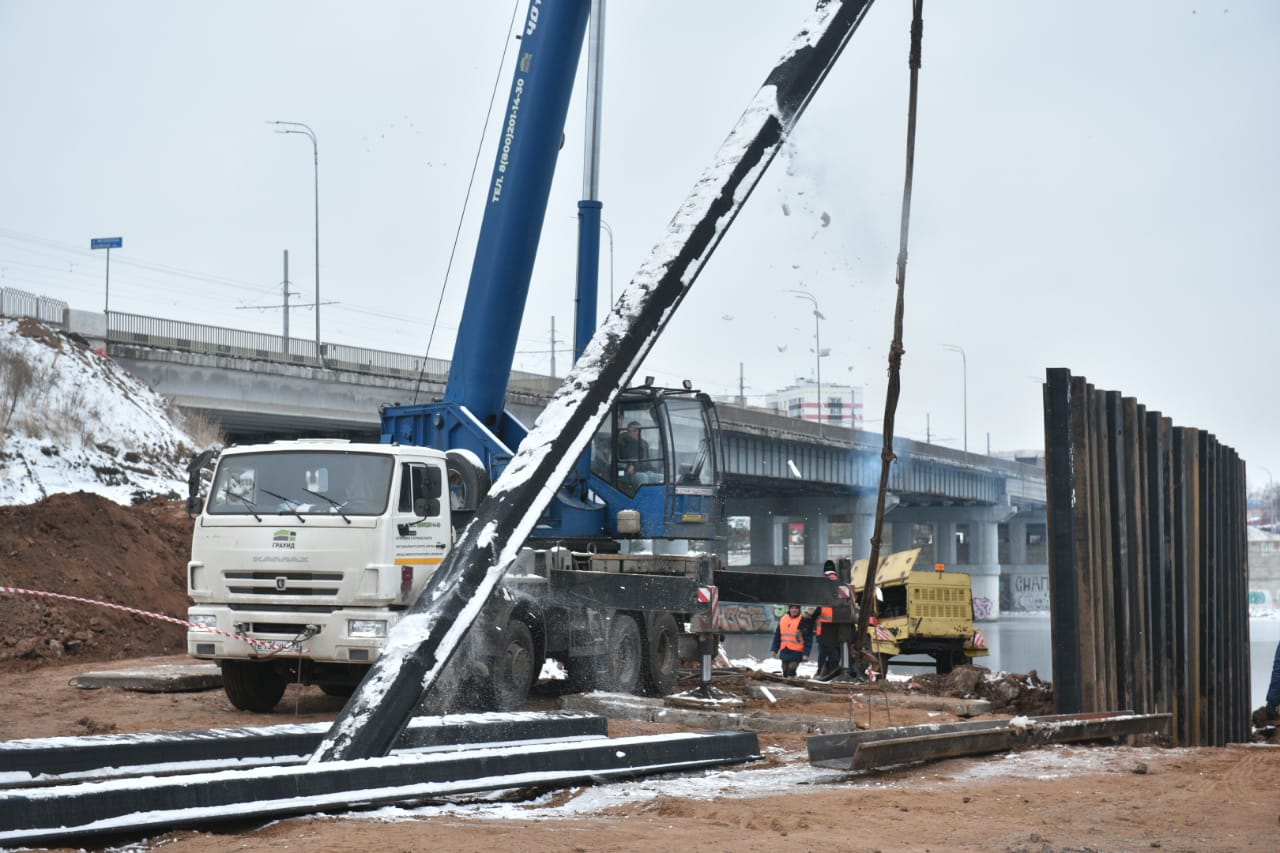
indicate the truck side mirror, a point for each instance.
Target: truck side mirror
{"x":426,"y":507}
{"x":435,"y":484}
{"x":194,"y":505}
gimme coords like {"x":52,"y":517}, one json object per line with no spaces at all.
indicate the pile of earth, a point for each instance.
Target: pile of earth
{"x":87,"y":547}
{"x":1008,"y":693}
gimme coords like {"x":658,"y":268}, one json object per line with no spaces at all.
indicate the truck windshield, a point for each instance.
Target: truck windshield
{"x":310,"y":482}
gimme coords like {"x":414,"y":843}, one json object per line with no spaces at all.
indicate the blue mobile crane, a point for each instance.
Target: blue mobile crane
{"x":665,"y":491}
{"x":423,"y":579}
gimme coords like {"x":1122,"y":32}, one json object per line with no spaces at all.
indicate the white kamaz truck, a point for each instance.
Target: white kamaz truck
{"x":305,"y":554}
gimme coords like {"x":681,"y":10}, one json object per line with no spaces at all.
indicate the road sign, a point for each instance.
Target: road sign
{"x":106,"y":242}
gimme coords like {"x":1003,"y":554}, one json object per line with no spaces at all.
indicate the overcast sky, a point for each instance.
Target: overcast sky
{"x":1096,"y":188}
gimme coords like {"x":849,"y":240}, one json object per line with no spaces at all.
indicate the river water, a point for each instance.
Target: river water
{"x":1021,"y":643}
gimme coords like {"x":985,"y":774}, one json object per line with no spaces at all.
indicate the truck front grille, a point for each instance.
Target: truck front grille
{"x":283,"y":583}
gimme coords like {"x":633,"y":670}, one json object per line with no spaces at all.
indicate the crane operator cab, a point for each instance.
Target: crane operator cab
{"x":657,"y":453}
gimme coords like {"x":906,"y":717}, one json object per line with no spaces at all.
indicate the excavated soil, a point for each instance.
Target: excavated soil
{"x":1079,"y":798}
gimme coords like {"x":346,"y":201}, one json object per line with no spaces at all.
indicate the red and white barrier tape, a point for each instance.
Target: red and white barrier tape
{"x":260,"y":643}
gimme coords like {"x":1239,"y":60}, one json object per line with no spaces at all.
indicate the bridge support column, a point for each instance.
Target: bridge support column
{"x":817,"y":532}
{"x":862,"y":518}
{"x":900,"y":537}
{"x":984,"y":568}
{"x":944,"y":544}
{"x":1025,"y":572}
{"x":767,"y":532}
{"x":1017,"y":541}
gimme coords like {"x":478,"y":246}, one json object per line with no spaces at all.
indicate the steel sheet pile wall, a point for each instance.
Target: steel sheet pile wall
{"x":1147,"y":564}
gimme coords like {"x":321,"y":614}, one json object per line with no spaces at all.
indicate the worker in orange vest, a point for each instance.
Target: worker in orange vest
{"x":828,"y":651}
{"x":790,"y":645}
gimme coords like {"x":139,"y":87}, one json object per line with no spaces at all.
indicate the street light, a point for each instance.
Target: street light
{"x":1271,"y":497}
{"x":315,"y":151}
{"x":817,"y":342}
{"x":964,"y":367}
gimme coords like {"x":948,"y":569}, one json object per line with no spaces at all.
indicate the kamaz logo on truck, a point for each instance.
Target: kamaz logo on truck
{"x":283,"y":539}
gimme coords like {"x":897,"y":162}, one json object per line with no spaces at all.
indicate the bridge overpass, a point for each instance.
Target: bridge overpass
{"x":975,"y":513}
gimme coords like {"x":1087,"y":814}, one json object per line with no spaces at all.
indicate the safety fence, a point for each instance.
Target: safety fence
{"x":141,"y":330}
{"x":138,"y":330}
{"x":1148,"y":564}
{"x":19,"y":303}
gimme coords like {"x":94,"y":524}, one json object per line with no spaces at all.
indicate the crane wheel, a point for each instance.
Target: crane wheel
{"x":661,"y":655}
{"x":515,"y":668}
{"x":627,"y":651}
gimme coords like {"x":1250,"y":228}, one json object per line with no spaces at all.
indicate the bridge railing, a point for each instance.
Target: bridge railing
{"x":19,"y":303}
{"x":140,"y":330}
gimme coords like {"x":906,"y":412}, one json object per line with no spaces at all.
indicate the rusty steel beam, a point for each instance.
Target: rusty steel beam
{"x":932,"y":743}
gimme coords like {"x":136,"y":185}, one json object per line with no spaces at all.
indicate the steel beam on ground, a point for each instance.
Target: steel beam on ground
{"x":924,"y":743}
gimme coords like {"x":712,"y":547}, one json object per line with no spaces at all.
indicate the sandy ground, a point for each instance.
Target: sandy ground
{"x":1099,"y":798}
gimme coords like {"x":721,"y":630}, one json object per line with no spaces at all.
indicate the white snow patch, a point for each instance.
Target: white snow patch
{"x":79,"y":422}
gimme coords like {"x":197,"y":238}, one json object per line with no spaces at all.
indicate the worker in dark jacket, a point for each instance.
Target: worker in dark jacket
{"x":828,"y":648}
{"x":1272,"y":712}
{"x":790,"y":644}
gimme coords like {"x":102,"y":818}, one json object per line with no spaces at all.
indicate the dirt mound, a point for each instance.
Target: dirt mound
{"x":1009,"y":693}
{"x":86,"y":546}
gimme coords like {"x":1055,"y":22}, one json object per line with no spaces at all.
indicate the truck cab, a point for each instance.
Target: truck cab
{"x":304,"y":556}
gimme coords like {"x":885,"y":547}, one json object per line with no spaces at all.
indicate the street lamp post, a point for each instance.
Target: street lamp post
{"x":817,"y":343}
{"x":290,"y":127}
{"x":1271,"y":498}
{"x":964,"y":367}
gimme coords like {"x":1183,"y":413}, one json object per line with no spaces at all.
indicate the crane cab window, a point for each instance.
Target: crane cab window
{"x":638,"y":459}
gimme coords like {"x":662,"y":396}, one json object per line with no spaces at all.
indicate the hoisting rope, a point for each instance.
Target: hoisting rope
{"x":457,"y":233}
{"x":896,"y":349}
{"x":262,"y":644}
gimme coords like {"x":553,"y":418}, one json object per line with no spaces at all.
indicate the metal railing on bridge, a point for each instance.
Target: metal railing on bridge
{"x":19,"y":303}
{"x":140,"y":330}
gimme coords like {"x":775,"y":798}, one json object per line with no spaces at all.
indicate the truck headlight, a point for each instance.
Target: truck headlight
{"x":203,"y":620}
{"x":366,"y":628}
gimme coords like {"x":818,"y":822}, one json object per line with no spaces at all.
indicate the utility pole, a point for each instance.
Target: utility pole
{"x":286,"y":304}
{"x":553,"y":346}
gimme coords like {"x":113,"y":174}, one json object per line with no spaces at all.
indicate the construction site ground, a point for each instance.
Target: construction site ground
{"x":1061,"y":798}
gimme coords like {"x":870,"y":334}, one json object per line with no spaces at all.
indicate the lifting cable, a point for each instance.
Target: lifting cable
{"x":896,"y":349}
{"x":457,"y":233}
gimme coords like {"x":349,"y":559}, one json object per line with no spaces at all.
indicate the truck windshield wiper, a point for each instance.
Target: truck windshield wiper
{"x":332,"y":503}
{"x":293,"y":505}
{"x":253,"y":509}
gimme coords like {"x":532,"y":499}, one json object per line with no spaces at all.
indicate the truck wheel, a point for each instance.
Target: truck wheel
{"x":627,"y":652}
{"x":661,"y":656}
{"x":251,"y":686}
{"x":590,"y":672}
{"x":515,"y":668}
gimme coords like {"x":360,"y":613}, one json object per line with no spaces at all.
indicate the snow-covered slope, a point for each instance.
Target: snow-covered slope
{"x":71,"y":420}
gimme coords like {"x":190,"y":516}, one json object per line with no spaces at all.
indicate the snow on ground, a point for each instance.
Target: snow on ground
{"x":72,"y":420}
{"x":1051,"y":762}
